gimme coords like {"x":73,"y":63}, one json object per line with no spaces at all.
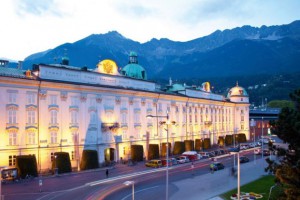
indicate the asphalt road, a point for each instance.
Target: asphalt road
{"x":149,"y":183}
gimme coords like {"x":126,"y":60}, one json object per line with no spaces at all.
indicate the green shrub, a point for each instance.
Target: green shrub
{"x":206,"y":143}
{"x":62,"y":162}
{"x":198,"y":144}
{"x":26,"y":165}
{"x":137,"y":152}
{"x":164,"y":149}
{"x":178,"y":148}
{"x":189,"y":145}
{"x":89,"y":160}
{"x":153,"y":152}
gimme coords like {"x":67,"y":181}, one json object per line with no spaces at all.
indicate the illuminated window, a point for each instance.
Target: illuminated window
{"x":242,"y":118}
{"x":31,"y":138}
{"x":53,"y":137}
{"x":12,"y":138}
{"x":12,"y":160}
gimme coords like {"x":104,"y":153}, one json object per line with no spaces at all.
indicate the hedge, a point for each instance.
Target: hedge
{"x":26,"y":165}
{"x":198,"y":144}
{"x":189,"y":145}
{"x":164,"y":149}
{"x":62,"y":162}
{"x":137,"y":152}
{"x":206,"y":143}
{"x":153,"y":152}
{"x":178,"y":148}
{"x":89,"y":160}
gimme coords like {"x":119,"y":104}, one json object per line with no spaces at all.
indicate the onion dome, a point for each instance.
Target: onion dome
{"x":133,"y":69}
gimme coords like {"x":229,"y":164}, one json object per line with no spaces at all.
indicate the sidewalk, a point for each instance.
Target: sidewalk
{"x":209,"y":186}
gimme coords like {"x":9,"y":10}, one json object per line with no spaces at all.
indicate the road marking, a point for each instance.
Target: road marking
{"x":135,"y":192}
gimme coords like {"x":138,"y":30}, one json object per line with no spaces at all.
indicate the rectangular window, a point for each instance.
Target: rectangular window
{"x":53,"y":138}
{"x":12,"y":98}
{"x":31,"y":117}
{"x":137,"y":118}
{"x":93,"y":117}
{"x":12,"y":138}
{"x":74,"y":117}
{"x":12,"y":116}
{"x":12,"y":160}
{"x":53,"y":100}
{"x":30,"y":98}
{"x":53,"y":119}
{"x":31,"y":138}
{"x":124,"y":118}
{"x":74,"y":101}
{"x":242,"y":118}
{"x":190,"y":118}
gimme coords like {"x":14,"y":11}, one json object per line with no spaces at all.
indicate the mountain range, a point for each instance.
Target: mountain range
{"x":252,"y":55}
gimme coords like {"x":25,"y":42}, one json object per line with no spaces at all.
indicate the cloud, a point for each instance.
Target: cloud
{"x":37,"y":8}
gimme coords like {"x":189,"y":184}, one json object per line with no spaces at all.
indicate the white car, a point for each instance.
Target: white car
{"x":182,"y":159}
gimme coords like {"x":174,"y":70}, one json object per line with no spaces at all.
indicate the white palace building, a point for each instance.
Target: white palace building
{"x":61,"y":108}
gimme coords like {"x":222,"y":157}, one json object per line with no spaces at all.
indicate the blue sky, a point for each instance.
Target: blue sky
{"x":31,"y":26}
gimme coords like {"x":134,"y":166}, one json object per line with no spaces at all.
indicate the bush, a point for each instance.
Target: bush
{"x":26,"y":165}
{"x":164,"y":149}
{"x":137,"y":152}
{"x":189,"y":145}
{"x":198,"y":144}
{"x":178,"y":148}
{"x":206,"y":143}
{"x":153,"y":152}
{"x":62,"y":162}
{"x":89,"y":160}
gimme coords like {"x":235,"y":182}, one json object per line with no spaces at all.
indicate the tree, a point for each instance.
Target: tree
{"x":287,"y":128}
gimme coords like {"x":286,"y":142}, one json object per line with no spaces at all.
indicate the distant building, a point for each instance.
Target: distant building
{"x":259,"y":121}
{"x":58,"y":107}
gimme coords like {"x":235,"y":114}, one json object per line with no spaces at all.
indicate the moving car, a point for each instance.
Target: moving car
{"x":244,"y":159}
{"x":165,"y":161}
{"x":154,"y":163}
{"x":192,"y":155}
{"x":216,"y":166}
{"x":182,"y":159}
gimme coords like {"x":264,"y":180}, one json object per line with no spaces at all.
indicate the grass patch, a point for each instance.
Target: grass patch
{"x":261,"y":186}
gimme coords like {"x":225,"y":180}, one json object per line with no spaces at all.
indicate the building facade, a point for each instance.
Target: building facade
{"x":61,"y":108}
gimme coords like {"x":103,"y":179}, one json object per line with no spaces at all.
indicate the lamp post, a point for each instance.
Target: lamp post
{"x":238,"y":175}
{"x":253,"y":124}
{"x":167,"y":151}
{"x":0,"y":183}
{"x":262,"y":137}
{"x":55,"y":169}
{"x":130,"y":183}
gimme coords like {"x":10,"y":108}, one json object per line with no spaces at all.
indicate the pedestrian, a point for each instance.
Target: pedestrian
{"x":106,"y":173}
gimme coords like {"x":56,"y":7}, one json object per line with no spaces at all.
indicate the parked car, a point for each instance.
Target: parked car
{"x":182,"y":159}
{"x":234,"y":149}
{"x":165,"y":162}
{"x":205,"y":154}
{"x":244,"y":146}
{"x":154,"y":163}
{"x":216,"y":166}
{"x":174,"y":161}
{"x":244,"y":159}
{"x":192,"y":155}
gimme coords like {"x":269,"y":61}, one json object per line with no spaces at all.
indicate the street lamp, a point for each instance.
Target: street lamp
{"x":130,"y":183}
{"x":262,"y":139}
{"x":167,"y":151}
{"x":253,"y":125}
{"x":55,"y":169}
{"x":0,"y":183}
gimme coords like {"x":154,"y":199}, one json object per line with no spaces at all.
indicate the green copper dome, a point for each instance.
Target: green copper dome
{"x":133,"y":69}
